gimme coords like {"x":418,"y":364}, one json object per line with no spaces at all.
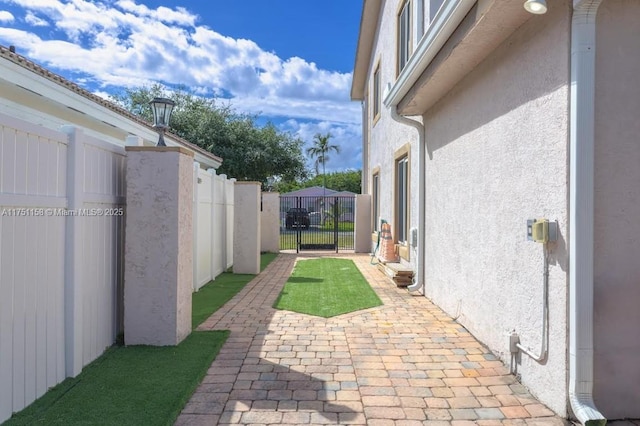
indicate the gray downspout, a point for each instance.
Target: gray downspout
{"x":418,"y":282}
{"x":581,"y":211}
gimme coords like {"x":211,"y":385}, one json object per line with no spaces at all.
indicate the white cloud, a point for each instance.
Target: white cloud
{"x":346,"y":136}
{"x":124,"y":43}
{"x":6,"y":16}
{"x":178,"y":16}
{"x":35,"y":21}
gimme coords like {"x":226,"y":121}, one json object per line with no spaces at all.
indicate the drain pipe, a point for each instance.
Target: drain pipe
{"x":581,"y":210}
{"x":418,"y":283}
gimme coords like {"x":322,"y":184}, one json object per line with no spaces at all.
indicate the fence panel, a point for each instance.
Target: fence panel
{"x":32,"y":182}
{"x":101,"y":226}
{"x":219,"y":229}
{"x":213,"y":225}
{"x":204,"y":218}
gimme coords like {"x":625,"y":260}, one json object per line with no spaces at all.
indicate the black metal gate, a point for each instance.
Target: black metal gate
{"x":317,"y":223}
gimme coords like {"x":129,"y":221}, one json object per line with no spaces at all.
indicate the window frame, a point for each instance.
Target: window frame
{"x":375,"y":199}
{"x":404,"y":36}
{"x":401,"y":199}
{"x":376,"y":102}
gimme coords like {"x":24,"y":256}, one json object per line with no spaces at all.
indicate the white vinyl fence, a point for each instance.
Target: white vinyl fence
{"x":62,"y":207}
{"x":213,"y":225}
{"x":61,"y":222}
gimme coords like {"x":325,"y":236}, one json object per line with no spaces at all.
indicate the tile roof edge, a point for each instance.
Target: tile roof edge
{"x":24,"y":62}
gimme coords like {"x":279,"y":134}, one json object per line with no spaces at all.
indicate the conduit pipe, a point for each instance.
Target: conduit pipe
{"x":418,"y":282}
{"x":545,"y":315}
{"x":581,"y":211}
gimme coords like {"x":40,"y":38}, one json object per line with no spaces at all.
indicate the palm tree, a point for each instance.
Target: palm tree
{"x":319,"y":150}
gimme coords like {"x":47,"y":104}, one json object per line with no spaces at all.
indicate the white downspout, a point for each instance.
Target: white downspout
{"x":418,"y":282}
{"x":581,"y":208}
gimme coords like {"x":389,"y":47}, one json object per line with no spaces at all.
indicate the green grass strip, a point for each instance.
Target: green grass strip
{"x":128,"y":385}
{"x":266,"y":259}
{"x":216,"y":293}
{"x":326,"y":287}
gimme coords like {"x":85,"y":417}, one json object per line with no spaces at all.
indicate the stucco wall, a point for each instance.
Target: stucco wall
{"x":270,"y":222}
{"x":246,"y":226}
{"x":387,"y":135}
{"x":617,"y":209}
{"x":158,"y":275}
{"x":498,"y":156}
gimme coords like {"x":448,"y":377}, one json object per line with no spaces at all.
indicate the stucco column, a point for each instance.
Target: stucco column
{"x":362,"y":231}
{"x":270,"y":222}
{"x":246,"y":225}
{"x":158,"y":271}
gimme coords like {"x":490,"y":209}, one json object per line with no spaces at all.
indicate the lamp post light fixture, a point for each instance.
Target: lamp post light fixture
{"x":537,"y":7}
{"x":162,"y":109}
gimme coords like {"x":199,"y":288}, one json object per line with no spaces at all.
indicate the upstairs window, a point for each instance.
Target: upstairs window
{"x":376,"y":93}
{"x":420,"y":18}
{"x":434,"y":7}
{"x":404,"y":35}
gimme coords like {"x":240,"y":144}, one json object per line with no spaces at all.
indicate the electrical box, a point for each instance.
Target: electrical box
{"x":542,"y":230}
{"x":414,"y":237}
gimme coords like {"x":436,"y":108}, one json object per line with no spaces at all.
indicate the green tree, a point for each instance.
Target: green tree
{"x":320,"y":150}
{"x":348,"y":180}
{"x":249,"y":151}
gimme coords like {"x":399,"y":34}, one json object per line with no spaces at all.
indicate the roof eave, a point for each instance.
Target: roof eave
{"x":366,"y":37}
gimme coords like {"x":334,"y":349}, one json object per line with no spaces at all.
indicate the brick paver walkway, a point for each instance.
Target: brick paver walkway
{"x":403,"y":363}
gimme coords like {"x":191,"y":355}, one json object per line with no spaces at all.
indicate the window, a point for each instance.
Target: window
{"x":375,"y":201}
{"x":376,"y":92}
{"x":420,"y":21}
{"x":404,"y":35}
{"x":402,"y":199}
{"x":434,"y":7}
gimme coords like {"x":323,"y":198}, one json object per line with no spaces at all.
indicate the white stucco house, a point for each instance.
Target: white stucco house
{"x":478,"y":116}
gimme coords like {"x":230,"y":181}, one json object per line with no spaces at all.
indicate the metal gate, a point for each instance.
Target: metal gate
{"x":317,"y":223}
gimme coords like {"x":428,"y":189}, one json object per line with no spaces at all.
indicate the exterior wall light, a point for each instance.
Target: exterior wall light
{"x":162,"y":109}
{"x":537,"y":7}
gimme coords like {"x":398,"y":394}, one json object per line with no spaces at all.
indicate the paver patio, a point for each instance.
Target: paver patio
{"x":402,"y":363}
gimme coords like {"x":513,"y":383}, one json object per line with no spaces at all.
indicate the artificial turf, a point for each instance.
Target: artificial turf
{"x":326,"y":287}
{"x":128,"y":385}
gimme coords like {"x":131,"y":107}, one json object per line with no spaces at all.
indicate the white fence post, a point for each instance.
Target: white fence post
{"x":196,"y":168}
{"x":225,"y":224}
{"x":214,"y":219}
{"x":73,"y":247}
{"x":229,"y":202}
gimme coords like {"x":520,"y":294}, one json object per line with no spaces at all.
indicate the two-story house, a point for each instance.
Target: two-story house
{"x":480,"y":117}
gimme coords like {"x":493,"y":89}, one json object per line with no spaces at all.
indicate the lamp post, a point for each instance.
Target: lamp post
{"x":162,"y":109}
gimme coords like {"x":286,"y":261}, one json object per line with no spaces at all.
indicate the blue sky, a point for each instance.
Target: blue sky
{"x":288,"y":60}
